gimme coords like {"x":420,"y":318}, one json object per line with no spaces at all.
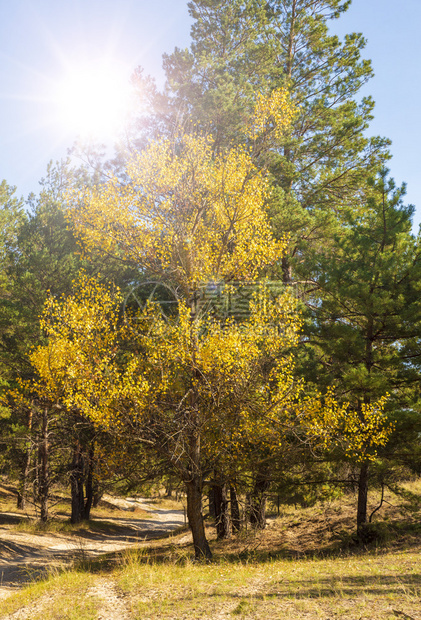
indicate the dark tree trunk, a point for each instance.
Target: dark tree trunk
{"x":211,"y":499}
{"x":363,"y":476}
{"x":194,"y":488}
{"x":195,"y":518}
{"x":76,"y":485}
{"x":362,"y":497}
{"x":21,"y":500}
{"x":89,"y":487}
{"x":97,"y":493}
{"x":222,"y":517}
{"x":23,"y":483}
{"x":235,"y":511}
{"x":258,"y":511}
{"x":44,"y":481}
{"x":35,"y":482}
{"x":286,"y":270}
{"x":217,"y":501}
{"x":22,"y":492}
{"x":257,"y":505}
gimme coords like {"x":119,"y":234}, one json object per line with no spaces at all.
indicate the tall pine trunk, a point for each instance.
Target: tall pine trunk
{"x":362,"y":497}
{"x":235,"y":510}
{"x":23,"y":483}
{"x":211,"y":501}
{"x":76,"y":485}
{"x":89,"y":485}
{"x":363,"y":475}
{"x":97,"y":492}
{"x":44,"y":480}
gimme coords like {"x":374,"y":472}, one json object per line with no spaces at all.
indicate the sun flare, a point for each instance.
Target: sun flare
{"x":93,"y":100}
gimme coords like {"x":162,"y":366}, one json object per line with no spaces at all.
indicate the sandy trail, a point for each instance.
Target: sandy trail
{"x":25,"y":557}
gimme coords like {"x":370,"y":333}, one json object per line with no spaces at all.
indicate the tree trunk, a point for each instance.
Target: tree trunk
{"x":89,"y":487}
{"x":286,"y":269}
{"x":169,"y":487}
{"x":23,"y":483}
{"x":235,"y":511}
{"x":222,"y":518}
{"x":195,"y":517}
{"x":21,"y":501}
{"x":76,"y":485}
{"x":258,"y":511}
{"x":362,"y":497}
{"x":35,"y":482}
{"x":44,"y":482}
{"x":257,"y":504}
{"x":211,"y":499}
{"x":194,"y":486}
{"x":97,"y":493}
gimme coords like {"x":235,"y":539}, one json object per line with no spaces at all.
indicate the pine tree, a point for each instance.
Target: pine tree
{"x":366,"y":313}
{"x":244,"y":48}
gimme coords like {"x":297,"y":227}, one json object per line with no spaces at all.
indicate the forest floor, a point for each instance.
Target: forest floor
{"x":28,"y":551}
{"x":134,"y":562}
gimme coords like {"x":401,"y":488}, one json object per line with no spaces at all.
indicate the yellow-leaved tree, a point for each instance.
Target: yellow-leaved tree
{"x":186,"y":213}
{"x":197,"y":390}
{"x":189,"y":216}
{"x":200,"y":392}
{"x":197,"y":386}
{"x":82,"y":335}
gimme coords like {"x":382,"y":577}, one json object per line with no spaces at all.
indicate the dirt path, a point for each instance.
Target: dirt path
{"x":113,"y":606}
{"x":26,"y":556}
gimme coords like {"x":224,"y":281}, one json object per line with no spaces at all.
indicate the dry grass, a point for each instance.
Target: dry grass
{"x":355,"y":586}
{"x":167,"y":503}
{"x":166,"y":584}
{"x":63,"y":596}
{"x":27,"y":519}
{"x":305,"y":565}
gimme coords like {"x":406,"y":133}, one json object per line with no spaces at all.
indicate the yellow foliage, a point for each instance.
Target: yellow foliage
{"x":234,"y":379}
{"x":192,"y":216}
{"x":360,"y":431}
{"x":273,"y":114}
{"x":213,"y":362}
{"x":78,"y":365}
{"x":187,"y":212}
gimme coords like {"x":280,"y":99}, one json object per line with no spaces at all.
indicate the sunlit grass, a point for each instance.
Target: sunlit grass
{"x":368,"y":586}
{"x":304,"y":565}
{"x":104,"y":517}
{"x":65,"y":527}
{"x":60,"y":597}
{"x":167,"y":503}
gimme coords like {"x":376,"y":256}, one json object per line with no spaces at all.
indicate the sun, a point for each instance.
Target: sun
{"x":93,"y":99}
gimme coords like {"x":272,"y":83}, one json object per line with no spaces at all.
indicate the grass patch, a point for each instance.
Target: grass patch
{"x":31,"y":526}
{"x":166,"y":503}
{"x":162,"y":582}
{"x":60,"y":509}
{"x":62,"y":596}
{"x":368,"y":586}
{"x":306,"y":564}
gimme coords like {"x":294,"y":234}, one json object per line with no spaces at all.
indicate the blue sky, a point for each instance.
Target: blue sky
{"x":38,"y":38}
{"x":393,"y":34}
